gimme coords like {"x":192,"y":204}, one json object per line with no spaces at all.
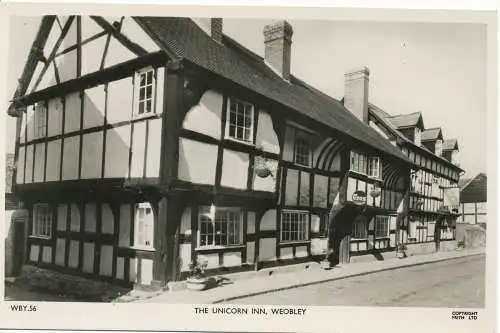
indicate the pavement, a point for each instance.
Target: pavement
{"x":234,"y":289}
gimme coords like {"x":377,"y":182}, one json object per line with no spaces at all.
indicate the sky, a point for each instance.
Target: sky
{"x":438,"y":69}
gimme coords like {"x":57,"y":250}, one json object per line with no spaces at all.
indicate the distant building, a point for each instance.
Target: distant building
{"x":473,"y":199}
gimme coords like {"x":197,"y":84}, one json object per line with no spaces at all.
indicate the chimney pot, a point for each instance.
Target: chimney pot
{"x":356,"y":86}
{"x":216,"y":29}
{"x":278,"y":47}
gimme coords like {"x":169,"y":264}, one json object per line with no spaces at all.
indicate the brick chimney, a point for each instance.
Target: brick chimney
{"x":356,"y":92}
{"x":216,"y":29}
{"x":278,"y":47}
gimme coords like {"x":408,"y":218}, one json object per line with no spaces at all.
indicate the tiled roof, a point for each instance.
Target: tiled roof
{"x":431,"y":134}
{"x":185,"y":39}
{"x":406,"y":120}
{"x":450,"y":144}
{"x":9,"y":171}
{"x":475,"y":190}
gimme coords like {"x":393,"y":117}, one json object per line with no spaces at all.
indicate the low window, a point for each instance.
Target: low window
{"x":302,"y":148}
{"x":294,"y":226}
{"x":381,"y":226}
{"x":239,"y":121}
{"x":144,"y":86}
{"x":144,"y":225}
{"x":42,"y":221}
{"x":358,"y":162}
{"x":360,"y":228}
{"x":374,"y":167}
{"x":222,"y":227}
{"x":40,"y":122}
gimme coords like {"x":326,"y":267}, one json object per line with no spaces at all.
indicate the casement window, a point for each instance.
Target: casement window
{"x":418,"y":136}
{"x":40,"y":121}
{"x":294,"y":226}
{"x":223,"y":227}
{"x":239,"y":124}
{"x":360,"y":228}
{"x":374,"y":167}
{"x":302,"y":149}
{"x":144,"y":226}
{"x":144,"y":92}
{"x":358,"y":162}
{"x":42,"y":221}
{"x":381,"y":226}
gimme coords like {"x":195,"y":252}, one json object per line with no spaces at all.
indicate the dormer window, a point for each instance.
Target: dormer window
{"x":240,"y":121}
{"x":418,"y":136}
{"x":144,"y":92}
{"x":438,"y":150}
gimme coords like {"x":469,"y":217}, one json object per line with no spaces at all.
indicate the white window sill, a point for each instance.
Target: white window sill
{"x":40,"y":237}
{"x":136,"y":116}
{"x":358,"y":173}
{"x":219,"y":247}
{"x":248,"y":143}
{"x":295,"y":242}
{"x":142,"y":248}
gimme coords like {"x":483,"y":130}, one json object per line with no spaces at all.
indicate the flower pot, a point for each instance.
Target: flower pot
{"x":197,"y":283}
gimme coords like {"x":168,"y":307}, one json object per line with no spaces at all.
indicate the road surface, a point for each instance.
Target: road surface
{"x":453,"y":283}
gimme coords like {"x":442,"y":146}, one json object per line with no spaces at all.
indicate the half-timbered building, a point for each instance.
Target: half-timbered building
{"x":145,"y":143}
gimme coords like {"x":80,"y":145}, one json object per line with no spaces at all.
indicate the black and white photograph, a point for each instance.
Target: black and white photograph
{"x":230,"y":162}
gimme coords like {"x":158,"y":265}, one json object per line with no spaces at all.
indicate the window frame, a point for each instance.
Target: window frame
{"x":137,"y":207}
{"x":227,"y":135}
{"x":304,"y":213}
{"x":359,"y":157}
{"x":203,"y":210}
{"x":300,"y":134}
{"x":379,"y":167}
{"x":358,"y":220}
{"x":45,"y":227}
{"x":137,"y":89}
{"x":40,"y":116}
{"x":386,"y":223}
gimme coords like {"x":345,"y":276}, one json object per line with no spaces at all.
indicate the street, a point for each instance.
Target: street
{"x":454,"y":283}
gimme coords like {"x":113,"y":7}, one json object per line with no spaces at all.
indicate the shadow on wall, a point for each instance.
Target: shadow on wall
{"x":473,"y":236}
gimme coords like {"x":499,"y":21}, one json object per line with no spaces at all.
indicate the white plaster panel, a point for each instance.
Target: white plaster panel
{"x":75,"y":218}
{"x":20,"y":166}
{"x":108,"y":222}
{"x":160,"y":79}
{"x":250,"y":252}
{"x":72,"y":112}
{"x":117,"y":152}
{"x":251,"y":223}
{"x":392,"y":240}
{"x":232,"y":259}
{"x":234,"y":169}
{"x":286,"y":253}
{"x":354,"y":247}
{"x":53,"y":160}
{"x":291,"y":187}
{"x":133,"y":270}
{"x":186,"y":222}
{"x":88,"y":257}
{"x":315,"y":223}
{"x":22,"y":131}
{"x":185,"y":255}
{"x":289,"y":144}
{"x":146,"y":271}
{"x":392,"y":222}
{"x":120,"y":268}
{"x":138,"y":149}
{"x":74,"y":250}
{"x":89,"y":28}
{"x":90,"y":217}
{"x":35,"y":250}
{"x":30,"y":130}
{"x":362,"y":246}
{"x":205,"y":117}
{"x":197,"y":161}
{"x":117,"y":53}
{"x":39,"y":162}
{"x":212,"y":259}
{"x":49,"y":77}
{"x":124,"y":230}
{"x":28,"y":177}
{"x":268,"y":221}
{"x":120,"y":94}
{"x":267,"y":250}
{"x":71,"y":149}
{"x":301,"y":251}
{"x":154,"y":149}
{"x":47,"y":254}
{"x":131,"y":29}
{"x":92,"y":155}
{"x":94,"y":105}
{"x":266,"y":139}
{"x":267,"y":184}
{"x":36,"y":74}
{"x":62,"y":213}
{"x":351,"y":188}
{"x":92,"y":53}
{"x":106,"y":260}
{"x":55,"y":112}
{"x":319,"y":246}
{"x":60,"y":251}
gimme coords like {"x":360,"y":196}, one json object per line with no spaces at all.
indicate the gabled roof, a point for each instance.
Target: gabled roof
{"x":432,"y":134}
{"x":475,"y":190}
{"x":450,"y":144}
{"x":188,"y":41}
{"x":407,"y":120}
